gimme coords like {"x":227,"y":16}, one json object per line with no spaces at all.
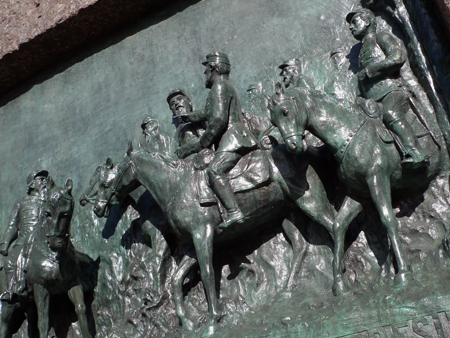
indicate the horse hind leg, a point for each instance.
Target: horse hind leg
{"x":77,"y":298}
{"x":348,"y":211}
{"x":380,"y":191}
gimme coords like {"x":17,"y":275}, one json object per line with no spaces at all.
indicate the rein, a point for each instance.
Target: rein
{"x":342,"y":151}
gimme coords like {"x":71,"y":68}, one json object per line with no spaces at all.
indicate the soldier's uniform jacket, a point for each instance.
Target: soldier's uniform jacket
{"x":226,"y":129}
{"x":381,"y":57}
{"x":25,"y":217}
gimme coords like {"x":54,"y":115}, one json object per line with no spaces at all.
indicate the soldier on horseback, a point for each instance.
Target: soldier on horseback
{"x":291,"y":72}
{"x":225,"y":130}
{"x":25,"y":217}
{"x":187,"y":133}
{"x":380,"y":60}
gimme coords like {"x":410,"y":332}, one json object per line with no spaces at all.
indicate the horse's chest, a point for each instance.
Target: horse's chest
{"x":51,"y":270}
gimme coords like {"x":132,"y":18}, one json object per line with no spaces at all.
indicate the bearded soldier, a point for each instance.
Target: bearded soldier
{"x":225,"y":130}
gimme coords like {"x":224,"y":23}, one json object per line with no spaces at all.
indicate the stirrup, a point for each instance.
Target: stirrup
{"x":232,"y":218}
{"x":415,"y":159}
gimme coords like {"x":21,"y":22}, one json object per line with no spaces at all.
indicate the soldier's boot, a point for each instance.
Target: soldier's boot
{"x":224,"y":192}
{"x":11,"y":281}
{"x":415,"y":156}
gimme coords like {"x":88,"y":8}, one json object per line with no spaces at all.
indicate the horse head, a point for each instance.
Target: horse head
{"x":286,"y":116}
{"x":111,"y":180}
{"x":58,"y":212}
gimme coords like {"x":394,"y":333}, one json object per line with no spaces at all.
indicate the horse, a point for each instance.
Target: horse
{"x":368,"y":165}
{"x":173,"y":185}
{"x":53,"y":267}
{"x":148,"y":211}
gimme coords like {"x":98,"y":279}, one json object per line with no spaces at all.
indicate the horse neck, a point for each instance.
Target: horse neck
{"x":159,"y":174}
{"x":329,"y":121}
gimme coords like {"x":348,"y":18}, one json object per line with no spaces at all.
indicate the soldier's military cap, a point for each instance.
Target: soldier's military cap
{"x":364,"y":11}
{"x":217,"y":57}
{"x":174,"y":93}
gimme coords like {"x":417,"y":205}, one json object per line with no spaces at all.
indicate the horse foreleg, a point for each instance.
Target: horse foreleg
{"x":380,"y":191}
{"x":77,"y":298}
{"x":42,"y":299}
{"x":298,"y":248}
{"x":7,"y":310}
{"x":203,"y":243}
{"x":184,"y":267}
{"x":348,"y":211}
{"x":314,"y":202}
{"x":160,"y":250}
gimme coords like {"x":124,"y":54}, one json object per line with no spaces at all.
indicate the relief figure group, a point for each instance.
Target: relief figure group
{"x":224,"y":175}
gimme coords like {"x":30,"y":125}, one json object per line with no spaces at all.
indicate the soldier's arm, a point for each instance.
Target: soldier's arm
{"x":217,"y":115}
{"x":394,"y":57}
{"x":12,"y":230}
{"x":197,"y":116}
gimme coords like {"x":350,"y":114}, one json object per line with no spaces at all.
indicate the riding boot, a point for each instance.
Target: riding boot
{"x":224,"y":192}
{"x":10,"y":282}
{"x":415,"y":157}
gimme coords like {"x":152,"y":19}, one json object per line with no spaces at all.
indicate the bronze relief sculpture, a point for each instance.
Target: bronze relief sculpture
{"x":225,"y":179}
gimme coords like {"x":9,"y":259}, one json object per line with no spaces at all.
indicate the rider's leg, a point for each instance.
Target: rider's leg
{"x":395,"y":106}
{"x":10,"y":274}
{"x":217,"y":171}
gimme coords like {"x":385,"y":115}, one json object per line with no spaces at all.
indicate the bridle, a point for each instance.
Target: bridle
{"x":120,"y":173}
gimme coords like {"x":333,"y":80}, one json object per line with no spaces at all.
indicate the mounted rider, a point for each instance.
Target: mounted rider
{"x":225,"y":130}
{"x":154,"y":140}
{"x":291,"y":72}
{"x":187,"y":133}
{"x":380,"y":60}
{"x":25,"y":217}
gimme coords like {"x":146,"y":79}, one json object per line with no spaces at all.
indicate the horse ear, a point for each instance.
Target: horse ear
{"x":69,"y":186}
{"x":279,"y":89}
{"x":109,"y":163}
{"x":130,"y":148}
{"x":50,"y":183}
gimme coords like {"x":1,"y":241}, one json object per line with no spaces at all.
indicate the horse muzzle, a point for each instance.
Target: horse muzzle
{"x":101,"y":209}
{"x":296,"y":144}
{"x":57,"y":244}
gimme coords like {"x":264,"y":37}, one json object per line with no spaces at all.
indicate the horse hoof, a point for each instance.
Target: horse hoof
{"x":188,"y":325}
{"x":340,"y":286}
{"x":402,"y":279}
{"x":210,"y":330}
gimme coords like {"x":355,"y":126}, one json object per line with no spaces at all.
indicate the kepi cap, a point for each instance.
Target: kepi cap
{"x":174,"y":93}
{"x":365,"y":11}
{"x":290,"y":62}
{"x":35,"y":174}
{"x":146,"y":121}
{"x":217,"y":57}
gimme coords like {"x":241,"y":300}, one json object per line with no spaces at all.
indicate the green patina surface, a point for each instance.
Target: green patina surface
{"x":71,"y":118}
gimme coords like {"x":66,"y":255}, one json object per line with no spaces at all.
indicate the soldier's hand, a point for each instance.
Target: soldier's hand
{"x":362,"y":75}
{"x":4,"y":249}
{"x":187,"y":149}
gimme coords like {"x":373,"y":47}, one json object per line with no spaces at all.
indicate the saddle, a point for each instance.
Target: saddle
{"x":250,"y":172}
